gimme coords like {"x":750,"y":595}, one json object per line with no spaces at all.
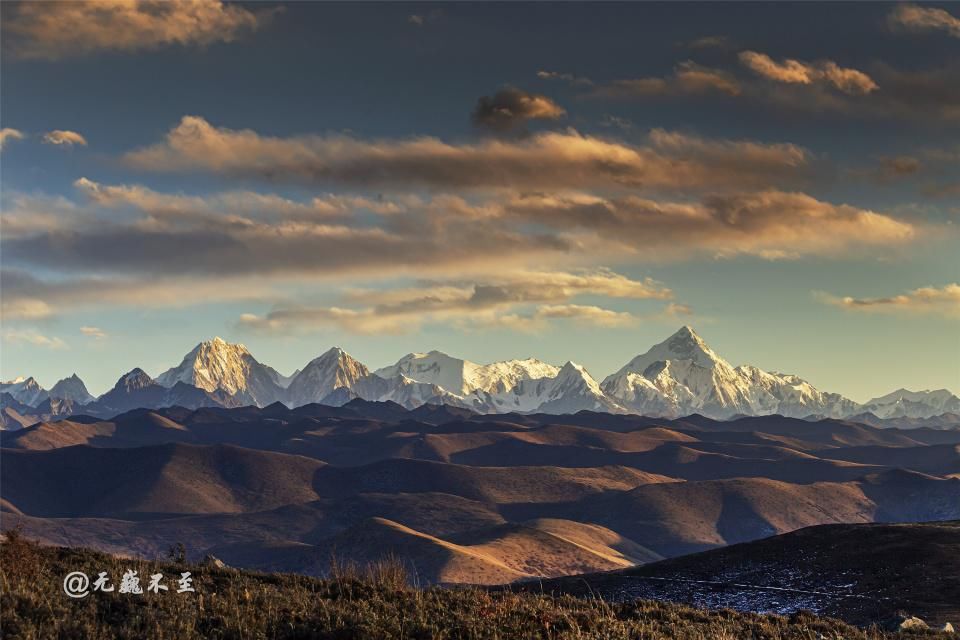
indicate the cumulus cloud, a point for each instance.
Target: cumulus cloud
{"x":93,"y":332}
{"x":7,"y":134}
{"x":688,"y":78}
{"x":943,"y":300}
{"x":33,"y":338}
{"x":914,"y":18}
{"x":847,"y":80}
{"x":510,"y":109}
{"x":496,"y":301}
{"x":53,"y":30}
{"x":541,"y":161}
{"x":63,"y":138}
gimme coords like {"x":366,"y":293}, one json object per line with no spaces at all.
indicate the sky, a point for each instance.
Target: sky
{"x":566,"y":181}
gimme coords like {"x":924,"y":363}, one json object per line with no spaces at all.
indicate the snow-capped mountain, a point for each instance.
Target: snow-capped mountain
{"x":572,"y":389}
{"x":25,"y":390}
{"x":333,"y":370}
{"x":513,"y":385}
{"x":133,"y":390}
{"x":678,"y":377}
{"x":913,"y":404}
{"x":72,"y":389}
{"x":218,"y":365}
{"x":463,"y":377}
{"x":682,"y":375}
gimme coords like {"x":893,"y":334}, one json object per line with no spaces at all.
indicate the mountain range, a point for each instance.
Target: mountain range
{"x":680,"y":376}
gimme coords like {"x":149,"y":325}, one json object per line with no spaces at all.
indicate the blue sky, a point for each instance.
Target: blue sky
{"x":564,"y":181}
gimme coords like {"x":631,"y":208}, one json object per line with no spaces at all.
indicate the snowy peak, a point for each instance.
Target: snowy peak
{"x":903,"y":403}
{"x":335,"y":369}
{"x":136,"y":379}
{"x":25,"y":390}
{"x":434,"y":367}
{"x":682,"y":375}
{"x":72,"y":389}
{"x":217,"y":365}
{"x":685,"y":344}
{"x":463,"y":377}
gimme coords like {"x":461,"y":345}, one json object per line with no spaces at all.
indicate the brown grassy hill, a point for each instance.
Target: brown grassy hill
{"x":130,"y":430}
{"x":862,"y":573}
{"x":489,"y":484}
{"x":165,"y":479}
{"x":372,"y":603}
{"x":678,"y":518}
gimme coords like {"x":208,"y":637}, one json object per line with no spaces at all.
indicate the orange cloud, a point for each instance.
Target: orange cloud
{"x":935,"y":300}
{"x":53,"y":30}
{"x":849,"y":81}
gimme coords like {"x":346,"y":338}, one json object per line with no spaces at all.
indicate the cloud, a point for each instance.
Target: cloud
{"x":894,"y":168}
{"x":510,"y":109}
{"x":920,"y":96}
{"x":914,"y":18}
{"x":675,"y":310}
{"x":62,"y":138}
{"x":688,"y":78}
{"x":53,"y":30}
{"x":231,"y":207}
{"x":541,"y":161}
{"x":849,"y":81}
{"x":93,"y":332}
{"x":28,"y":297}
{"x":415,"y":19}
{"x":569,"y":78}
{"x":929,"y":300}
{"x":769,"y":224}
{"x":159,"y":242}
{"x":7,"y":134}
{"x":33,"y":338}
{"x":486,"y":303}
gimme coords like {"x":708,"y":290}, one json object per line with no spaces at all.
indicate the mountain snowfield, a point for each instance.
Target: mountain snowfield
{"x":680,"y":376}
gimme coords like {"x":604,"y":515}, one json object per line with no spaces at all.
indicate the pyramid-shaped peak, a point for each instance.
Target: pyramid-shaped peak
{"x":136,"y":378}
{"x":687,"y":334}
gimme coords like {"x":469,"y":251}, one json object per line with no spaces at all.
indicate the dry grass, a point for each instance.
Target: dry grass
{"x":356,"y":602}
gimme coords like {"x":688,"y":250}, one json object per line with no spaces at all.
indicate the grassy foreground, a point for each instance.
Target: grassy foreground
{"x":373,"y":603}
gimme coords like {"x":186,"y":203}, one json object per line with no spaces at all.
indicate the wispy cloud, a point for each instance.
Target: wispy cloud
{"x":571,"y":79}
{"x":33,"y":338}
{"x":943,"y":300}
{"x":490,"y":302}
{"x":61,"y":138}
{"x":541,"y":161}
{"x":849,"y":81}
{"x":7,"y":134}
{"x":93,"y":332}
{"x":688,"y":78}
{"x":53,"y":30}
{"x":915,"y":18}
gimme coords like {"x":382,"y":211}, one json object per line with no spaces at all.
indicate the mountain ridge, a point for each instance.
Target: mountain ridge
{"x":680,"y":376}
